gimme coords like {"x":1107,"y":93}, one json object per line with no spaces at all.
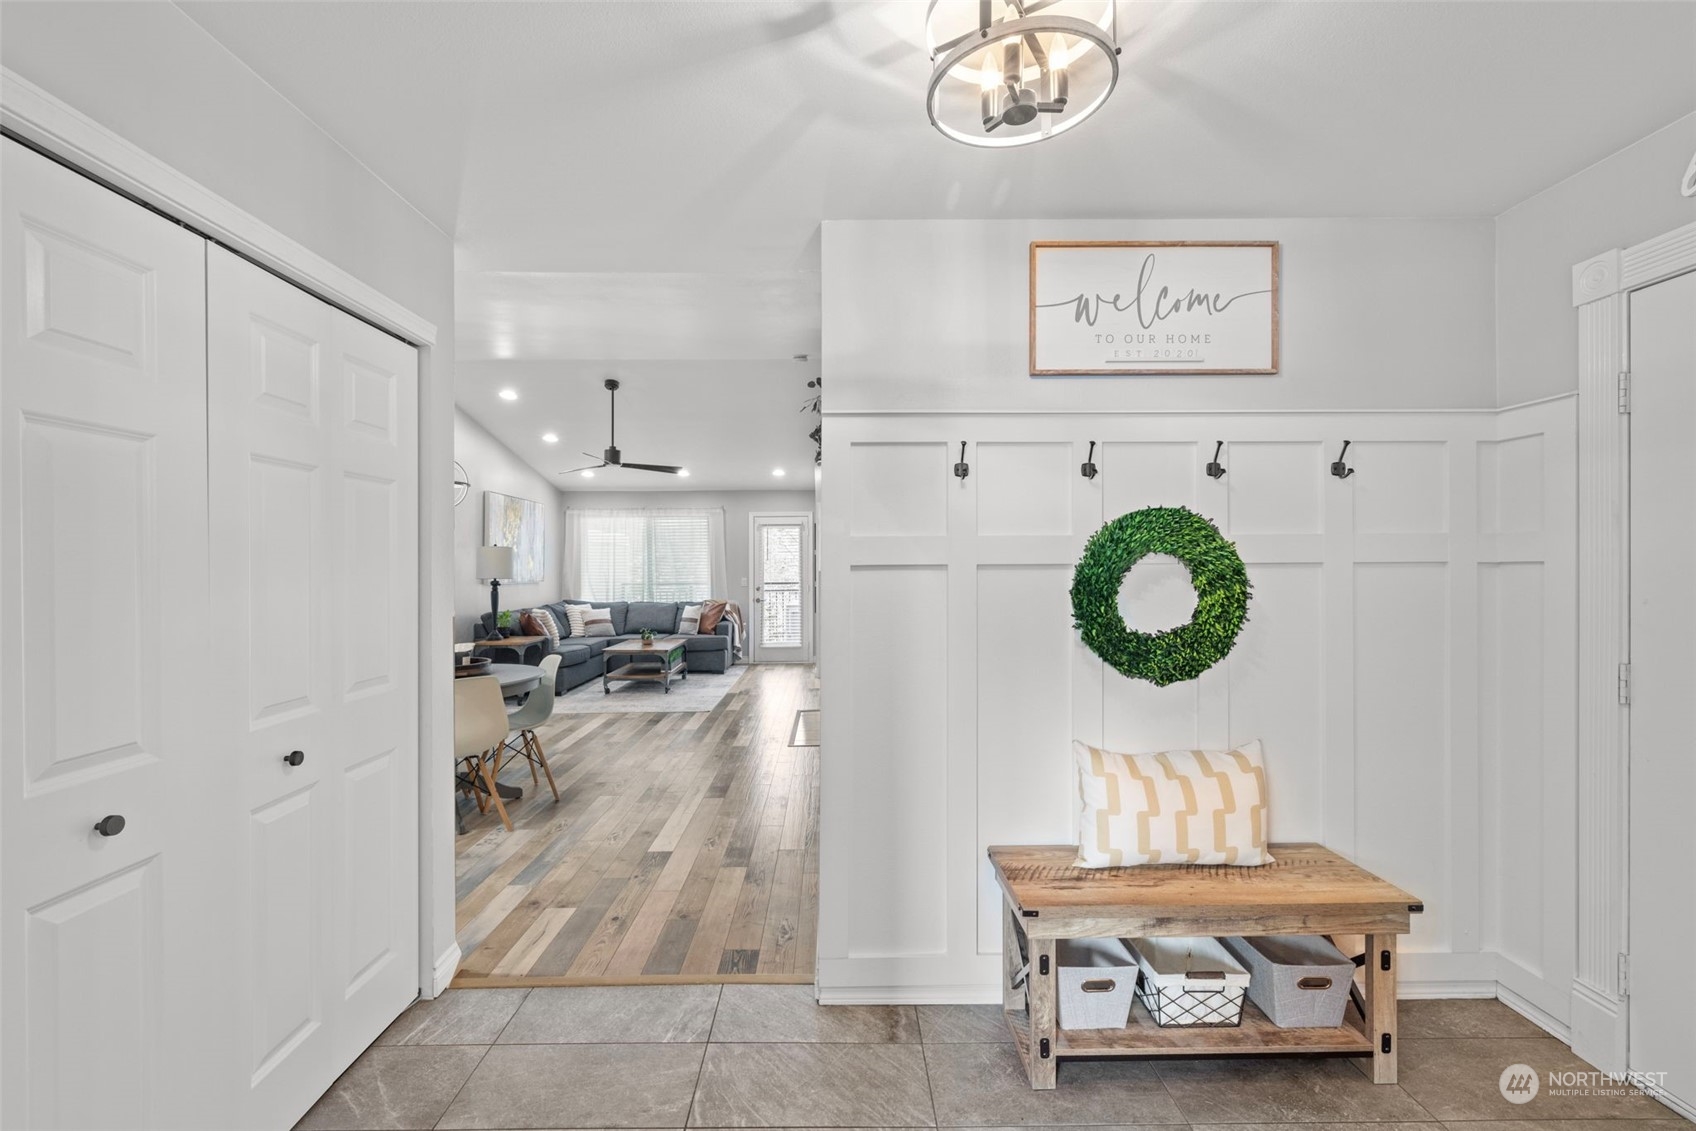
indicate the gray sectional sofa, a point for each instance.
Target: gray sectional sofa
{"x":581,"y":659}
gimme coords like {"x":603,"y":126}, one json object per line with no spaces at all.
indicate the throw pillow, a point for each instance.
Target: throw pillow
{"x":1179,"y":807}
{"x":574,"y":619}
{"x":711,"y":613}
{"x":528,"y":625}
{"x":597,"y":622}
{"x":545,"y":621}
{"x":689,"y":621}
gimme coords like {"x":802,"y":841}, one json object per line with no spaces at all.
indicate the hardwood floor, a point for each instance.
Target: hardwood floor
{"x":684,"y":848}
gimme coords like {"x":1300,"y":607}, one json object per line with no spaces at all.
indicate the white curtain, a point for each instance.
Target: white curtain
{"x":645,"y":554}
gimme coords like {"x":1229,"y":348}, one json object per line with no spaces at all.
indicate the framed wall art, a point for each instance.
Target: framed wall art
{"x":515,"y":522}
{"x":1183,"y":307}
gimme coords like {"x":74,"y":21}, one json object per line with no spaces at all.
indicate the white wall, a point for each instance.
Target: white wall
{"x":737,"y":506}
{"x":932,"y":314}
{"x":1625,"y":199}
{"x":150,"y":74}
{"x":491,"y":466}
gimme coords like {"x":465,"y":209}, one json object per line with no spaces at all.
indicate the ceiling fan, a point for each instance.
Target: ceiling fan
{"x":612,"y":457}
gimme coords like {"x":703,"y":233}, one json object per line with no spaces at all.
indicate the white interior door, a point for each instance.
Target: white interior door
{"x":110,"y":1013}
{"x":781,"y":630}
{"x":1663,"y":683}
{"x":314,"y":575}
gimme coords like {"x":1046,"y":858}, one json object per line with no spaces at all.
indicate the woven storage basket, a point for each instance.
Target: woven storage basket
{"x":1190,"y":981}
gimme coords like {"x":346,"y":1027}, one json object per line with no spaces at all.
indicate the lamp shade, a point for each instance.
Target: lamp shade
{"x":494,"y":563}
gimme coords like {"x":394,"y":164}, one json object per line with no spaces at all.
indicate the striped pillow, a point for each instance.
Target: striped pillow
{"x":574,"y":619}
{"x":1180,"y":807}
{"x":689,"y":621}
{"x":597,"y":622}
{"x":549,"y":626}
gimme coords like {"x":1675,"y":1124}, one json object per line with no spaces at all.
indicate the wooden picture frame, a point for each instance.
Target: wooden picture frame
{"x":1153,"y":307}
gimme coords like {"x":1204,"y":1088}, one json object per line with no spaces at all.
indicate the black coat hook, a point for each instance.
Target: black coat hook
{"x":1215,"y":469}
{"x":1340,"y":469}
{"x":962,"y":469}
{"x":1088,"y":469}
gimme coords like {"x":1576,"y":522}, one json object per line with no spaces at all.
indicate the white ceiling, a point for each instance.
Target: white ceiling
{"x":639,"y":181}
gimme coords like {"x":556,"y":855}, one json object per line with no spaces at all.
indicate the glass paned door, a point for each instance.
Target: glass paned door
{"x":783,"y":590}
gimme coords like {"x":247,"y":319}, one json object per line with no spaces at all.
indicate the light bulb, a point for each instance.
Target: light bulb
{"x":588,"y":474}
{"x":508,"y":394}
{"x":683,"y":473}
{"x":549,"y":438}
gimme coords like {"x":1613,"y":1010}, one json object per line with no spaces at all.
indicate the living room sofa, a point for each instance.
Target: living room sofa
{"x":581,"y":658}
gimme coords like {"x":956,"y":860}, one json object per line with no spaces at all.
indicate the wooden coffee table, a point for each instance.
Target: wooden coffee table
{"x":653,"y":662}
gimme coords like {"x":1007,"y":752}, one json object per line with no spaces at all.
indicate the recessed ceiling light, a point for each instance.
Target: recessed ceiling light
{"x":509,"y":394}
{"x":588,"y":475}
{"x":777,"y":471}
{"x":683,"y":473}
{"x":549,"y":438}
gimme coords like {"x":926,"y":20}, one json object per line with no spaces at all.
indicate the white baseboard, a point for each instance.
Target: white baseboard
{"x":909,"y":995}
{"x":447,"y":965}
{"x":1535,"y":1014}
{"x":1439,"y":988}
{"x":1598,"y":1029}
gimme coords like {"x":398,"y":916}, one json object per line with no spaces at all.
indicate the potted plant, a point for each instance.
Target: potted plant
{"x":503,"y":624}
{"x":647,"y":638}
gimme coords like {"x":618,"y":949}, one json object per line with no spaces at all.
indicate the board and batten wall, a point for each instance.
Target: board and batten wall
{"x":1407,"y":723}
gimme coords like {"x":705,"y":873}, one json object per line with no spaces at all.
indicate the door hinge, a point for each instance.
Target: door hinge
{"x":1625,"y":685}
{"x":1625,"y":390}
{"x":1624,"y":975}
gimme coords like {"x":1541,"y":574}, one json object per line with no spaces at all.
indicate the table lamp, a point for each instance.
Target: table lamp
{"x":494,"y":565}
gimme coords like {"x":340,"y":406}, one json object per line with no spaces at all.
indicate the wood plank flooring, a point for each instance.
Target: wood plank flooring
{"x":684,"y":848}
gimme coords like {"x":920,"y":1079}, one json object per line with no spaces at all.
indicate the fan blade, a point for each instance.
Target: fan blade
{"x":590,"y":467}
{"x":660,"y":467}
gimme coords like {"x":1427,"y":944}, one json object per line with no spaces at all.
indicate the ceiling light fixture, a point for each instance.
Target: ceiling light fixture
{"x":778,"y":471}
{"x":549,"y":438}
{"x":683,"y":473}
{"x":508,"y":394}
{"x":1013,"y":72}
{"x":587,"y":474}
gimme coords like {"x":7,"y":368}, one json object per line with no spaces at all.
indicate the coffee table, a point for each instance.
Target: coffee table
{"x":653,"y":662}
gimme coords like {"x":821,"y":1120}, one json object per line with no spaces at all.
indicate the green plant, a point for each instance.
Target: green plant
{"x":647,"y":636}
{"x":504,"y":619}
{"x":1221,"y":584}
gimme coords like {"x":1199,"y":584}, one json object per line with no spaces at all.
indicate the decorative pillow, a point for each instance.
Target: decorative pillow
{"x":689,"y":621}
{"x":546,"y":624}
{"x":597,"y":622}
{"x":1180,"y":807}
{"x":528,"y":625}
{"x":574,"y":619}
{"x":711,"y":613}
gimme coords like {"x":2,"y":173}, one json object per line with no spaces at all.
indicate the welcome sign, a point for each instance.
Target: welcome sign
{"x":1178,"y":307}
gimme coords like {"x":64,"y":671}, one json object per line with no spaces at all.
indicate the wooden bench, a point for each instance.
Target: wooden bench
{"x":1309,"y":890}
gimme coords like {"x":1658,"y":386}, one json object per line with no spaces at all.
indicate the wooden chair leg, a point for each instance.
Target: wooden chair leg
{"x":538,"y":755}
{"x":525,"y":741}
{"x":488,"y":762}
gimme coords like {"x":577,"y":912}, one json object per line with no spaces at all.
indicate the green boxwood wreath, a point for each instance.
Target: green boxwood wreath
{"x":1221,"y":594}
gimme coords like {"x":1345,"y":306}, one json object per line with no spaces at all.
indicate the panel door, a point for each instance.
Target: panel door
{"x":314,"y":559}
{"x":107,"y":1007}
{"x":1663,"y":683}
{"x":782,"y":628}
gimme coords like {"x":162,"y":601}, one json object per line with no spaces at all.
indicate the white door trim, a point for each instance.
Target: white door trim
{"x":66,"y":133}
{"x":1600,"y":286}
{"x":809,"y":585}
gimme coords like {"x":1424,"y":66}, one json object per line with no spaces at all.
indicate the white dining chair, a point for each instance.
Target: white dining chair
{"x":537,"y":709}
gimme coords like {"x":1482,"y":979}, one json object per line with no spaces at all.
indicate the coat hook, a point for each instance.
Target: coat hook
{"x":1340,"y":469}
{"x":1216,"y":470}
{"x":1088,"y":469}
{"x":962,"y":469}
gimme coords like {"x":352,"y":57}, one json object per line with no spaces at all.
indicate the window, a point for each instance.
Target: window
{"x":643,"y":555}
{"x":780,"y":585}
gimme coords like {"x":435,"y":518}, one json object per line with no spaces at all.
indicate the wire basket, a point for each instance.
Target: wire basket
{"x":1192,"y":1007}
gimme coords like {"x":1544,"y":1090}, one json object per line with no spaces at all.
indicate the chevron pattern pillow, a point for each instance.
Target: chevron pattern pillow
{"x":1177,"y":807}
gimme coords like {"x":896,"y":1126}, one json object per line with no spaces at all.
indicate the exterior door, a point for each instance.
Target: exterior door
{"x":314,"y":576}
{"x":782,"y":628}
{"x":109,"y":1014}
{"x":1663,"y":684}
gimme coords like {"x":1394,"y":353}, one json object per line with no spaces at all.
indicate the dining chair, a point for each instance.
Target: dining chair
{"x":479,"y":732}
{"x":537,"y":709}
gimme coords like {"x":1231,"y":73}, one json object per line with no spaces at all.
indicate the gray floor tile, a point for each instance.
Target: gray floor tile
{"x":1283,"y":1090}
{"x":812,"y":1085}
{"x":1482,"y":1017}
{"x":393,"y":1088}
{"x":457,"y":1017}
{"x":964,"y":1024}
{"x":1460,"y":1079}
{"x":1425,"y":1126}
{"x":1671,"y":1123}
{"x":567,"y":1086}
{"x":788,"y":1014}
{"x":613,"y":1014}
{"x":986,"y":1085}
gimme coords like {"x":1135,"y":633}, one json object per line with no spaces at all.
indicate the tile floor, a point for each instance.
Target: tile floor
{"x":766,"y":1056}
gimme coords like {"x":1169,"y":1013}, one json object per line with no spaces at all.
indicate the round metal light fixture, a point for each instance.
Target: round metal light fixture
{"x":1014,"y":72}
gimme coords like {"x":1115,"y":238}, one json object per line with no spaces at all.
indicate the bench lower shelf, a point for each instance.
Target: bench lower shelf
{"x":1142,"y":1037}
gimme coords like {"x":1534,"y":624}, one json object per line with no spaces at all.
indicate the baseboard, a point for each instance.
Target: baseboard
{"x":447,"y":965}
{"x":1535,"y":1014}
{"x":909,"y":995}
{"x":1688,"y":1110}
{"x":1598,"y":1029}
{"x":1437,"y":988}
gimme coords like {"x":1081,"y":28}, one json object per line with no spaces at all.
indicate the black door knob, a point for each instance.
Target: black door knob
{"x":109,"y":826}
{"x":295,"y":757}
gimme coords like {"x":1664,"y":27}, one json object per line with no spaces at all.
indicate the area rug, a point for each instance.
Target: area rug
{"x":702,"y":691}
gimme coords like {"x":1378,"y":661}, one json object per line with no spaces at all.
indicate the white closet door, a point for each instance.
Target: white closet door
{"x":314,"y":578}
{"x":110,"y":1004}
{"x":1663,"y":683}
